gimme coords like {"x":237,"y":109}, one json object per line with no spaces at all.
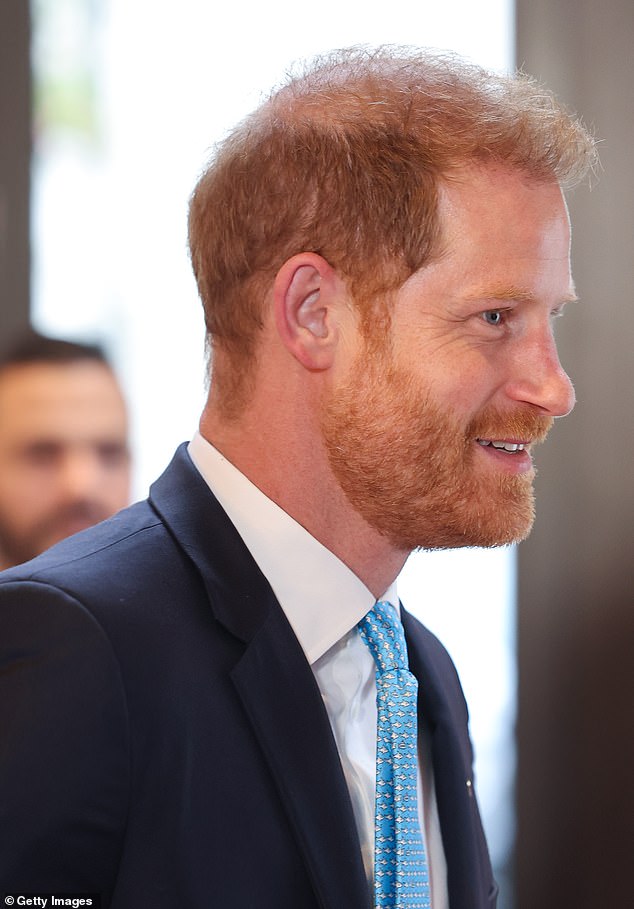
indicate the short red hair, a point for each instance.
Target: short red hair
{"x":344,"y":160}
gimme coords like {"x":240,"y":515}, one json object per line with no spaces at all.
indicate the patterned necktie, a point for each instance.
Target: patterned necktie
{"x":401,"y":878}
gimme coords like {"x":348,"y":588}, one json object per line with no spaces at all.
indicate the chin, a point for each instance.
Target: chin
{"x":463,"y":524}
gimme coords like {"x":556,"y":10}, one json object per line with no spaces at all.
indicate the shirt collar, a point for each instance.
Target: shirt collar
{"x":321,"y":597}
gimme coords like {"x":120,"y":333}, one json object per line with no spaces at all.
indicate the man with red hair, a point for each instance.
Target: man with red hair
{"x":223,"y":701}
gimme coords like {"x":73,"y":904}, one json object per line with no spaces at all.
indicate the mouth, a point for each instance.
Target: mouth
{"x":504,"y":445}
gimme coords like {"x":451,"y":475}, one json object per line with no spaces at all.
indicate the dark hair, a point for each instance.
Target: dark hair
{"x":33,"y":347}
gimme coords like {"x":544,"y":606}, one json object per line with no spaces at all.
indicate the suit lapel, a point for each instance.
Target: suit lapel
{"x":275,"y":684}
{"x":285,"y":707}
{"x":443,"y":711}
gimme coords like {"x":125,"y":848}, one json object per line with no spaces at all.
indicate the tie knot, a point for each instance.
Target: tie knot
{"x":383,"y":633}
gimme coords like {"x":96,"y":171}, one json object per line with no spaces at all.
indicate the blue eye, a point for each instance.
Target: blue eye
{"x":493,"y":316}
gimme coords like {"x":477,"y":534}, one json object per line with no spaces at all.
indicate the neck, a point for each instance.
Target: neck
{"x":292,"y":469}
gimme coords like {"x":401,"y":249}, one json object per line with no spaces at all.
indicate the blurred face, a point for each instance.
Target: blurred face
{"x":430,"y":433}
{"x":64,"y":462}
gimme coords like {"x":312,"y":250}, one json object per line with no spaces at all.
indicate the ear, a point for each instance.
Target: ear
{"x":307,"y":298}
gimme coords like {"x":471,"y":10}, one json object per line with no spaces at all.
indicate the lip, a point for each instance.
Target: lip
{"x":517,"y":461}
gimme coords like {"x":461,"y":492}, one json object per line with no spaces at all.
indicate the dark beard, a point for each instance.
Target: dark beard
{"x":49,"y":530}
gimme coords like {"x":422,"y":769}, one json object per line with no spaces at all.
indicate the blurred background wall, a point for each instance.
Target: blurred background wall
{"x":576,"y":577}
{"x":15,"y":161}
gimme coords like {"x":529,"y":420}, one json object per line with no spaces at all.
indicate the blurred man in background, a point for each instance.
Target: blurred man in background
{"x":64,"y":456}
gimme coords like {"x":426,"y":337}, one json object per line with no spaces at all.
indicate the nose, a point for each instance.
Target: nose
{"x":539,"y":378}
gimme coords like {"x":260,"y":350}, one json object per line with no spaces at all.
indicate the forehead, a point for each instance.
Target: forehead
{"x":60,"y":399}
{"x":497,"y":204}
{"x":502,"y":237}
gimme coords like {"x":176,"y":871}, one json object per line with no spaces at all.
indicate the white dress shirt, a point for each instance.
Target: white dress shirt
{"x":323,"y":601}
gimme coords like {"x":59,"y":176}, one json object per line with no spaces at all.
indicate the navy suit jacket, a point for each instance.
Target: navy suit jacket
{"x":163,"y":741}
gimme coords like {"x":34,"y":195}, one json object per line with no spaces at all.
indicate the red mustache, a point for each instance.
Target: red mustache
{"x":520,"y":426}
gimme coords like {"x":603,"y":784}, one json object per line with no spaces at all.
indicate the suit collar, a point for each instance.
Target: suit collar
{"x":274,"y":682}
{"x":443,"y":709}
{"x":321,"y":597}
{"x":239,"y":595}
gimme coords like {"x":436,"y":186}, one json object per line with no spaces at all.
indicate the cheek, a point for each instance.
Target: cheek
{"x":29,"y":488}
{"x":22,"y":508}
{"x":465,"y":385}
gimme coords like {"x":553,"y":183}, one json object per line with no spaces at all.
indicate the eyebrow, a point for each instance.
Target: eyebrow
{"x":502,"y":293}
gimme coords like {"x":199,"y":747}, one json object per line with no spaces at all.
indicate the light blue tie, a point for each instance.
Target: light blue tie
{"x":401,"y":879}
